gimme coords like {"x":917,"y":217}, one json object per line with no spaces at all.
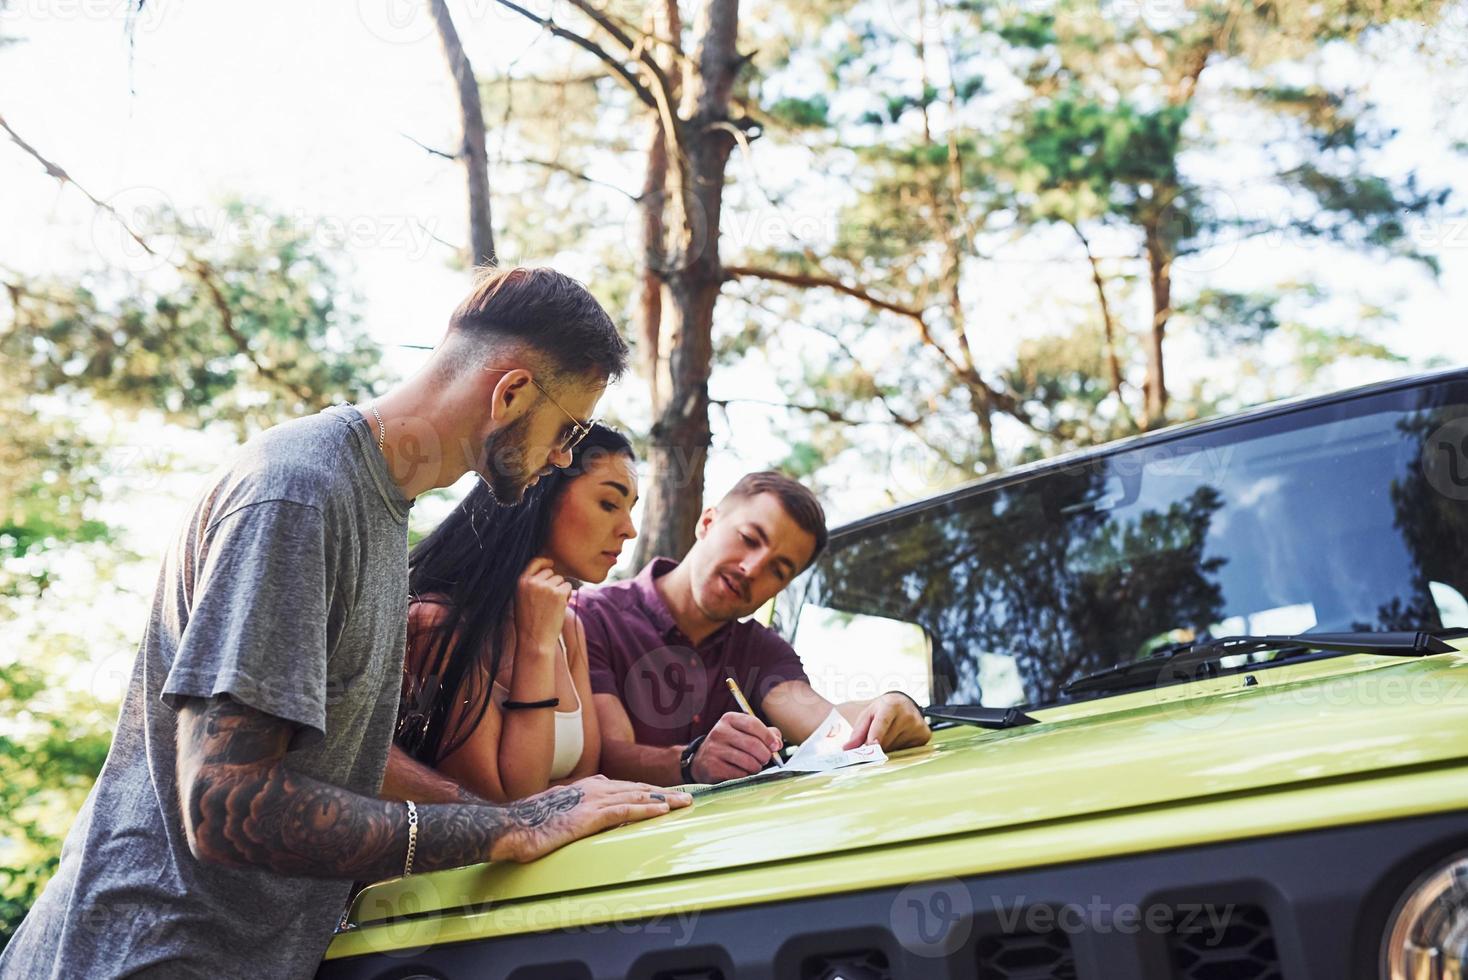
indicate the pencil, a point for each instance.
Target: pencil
{"x":744,"y":706}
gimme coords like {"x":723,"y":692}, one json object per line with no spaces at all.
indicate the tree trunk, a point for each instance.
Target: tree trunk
{"x":1159,"y":270}
{"x":472,"y":151}
{"x":650,"y":295}
{"x":653,"y":203}
{"x":680,"y":431}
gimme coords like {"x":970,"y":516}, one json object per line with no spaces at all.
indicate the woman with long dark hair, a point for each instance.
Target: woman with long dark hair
{"x":496,"y":693}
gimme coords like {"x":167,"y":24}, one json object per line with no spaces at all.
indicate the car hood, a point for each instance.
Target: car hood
{"x":1324,"y":720}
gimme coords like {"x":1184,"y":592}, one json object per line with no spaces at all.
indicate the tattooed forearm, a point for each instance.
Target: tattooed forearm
{"x":243,"y":807}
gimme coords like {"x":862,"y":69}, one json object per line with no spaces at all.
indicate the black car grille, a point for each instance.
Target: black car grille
{"x":866,"y":964}
{"x":1307,"y":906}
{"x":1026,"y":956}
{"x":1240,"y":947}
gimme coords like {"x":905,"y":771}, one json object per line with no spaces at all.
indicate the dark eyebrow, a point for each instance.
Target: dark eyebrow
{"x":765,"y":540}
{"x":617,"y":486}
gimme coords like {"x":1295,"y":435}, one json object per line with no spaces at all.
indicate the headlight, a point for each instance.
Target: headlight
{"x":1427,"y":936}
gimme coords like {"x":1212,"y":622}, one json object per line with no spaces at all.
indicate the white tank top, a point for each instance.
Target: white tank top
{"x":569,"y":736}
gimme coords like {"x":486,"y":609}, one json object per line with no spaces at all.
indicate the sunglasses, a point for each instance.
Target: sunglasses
{"x":569,"y":439}
{"x":579,"y":430}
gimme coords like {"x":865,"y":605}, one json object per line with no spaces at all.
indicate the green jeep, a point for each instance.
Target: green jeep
{"x":1200,"y":704}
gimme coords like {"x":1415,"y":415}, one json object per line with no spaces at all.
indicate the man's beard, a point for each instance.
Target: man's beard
{"x":504,"y":456}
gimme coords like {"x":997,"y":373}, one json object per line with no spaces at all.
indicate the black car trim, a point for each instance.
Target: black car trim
{"x":1326,"y":894}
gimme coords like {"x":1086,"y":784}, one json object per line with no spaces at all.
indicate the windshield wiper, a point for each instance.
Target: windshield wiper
{"x":1198,"y":660}
{"x":974,"y":714}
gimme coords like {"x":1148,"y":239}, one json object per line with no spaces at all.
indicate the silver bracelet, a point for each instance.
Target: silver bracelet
{"x":412,"y":836}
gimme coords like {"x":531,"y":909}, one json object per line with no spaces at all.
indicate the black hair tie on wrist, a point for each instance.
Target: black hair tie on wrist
{"x":522,"y":705}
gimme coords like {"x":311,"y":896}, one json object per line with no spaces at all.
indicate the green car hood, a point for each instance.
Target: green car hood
{"x":1159,"y":767}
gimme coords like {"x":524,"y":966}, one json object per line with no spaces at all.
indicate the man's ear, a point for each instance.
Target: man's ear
{"x":704,"y":520}
{"x":511,"y":395}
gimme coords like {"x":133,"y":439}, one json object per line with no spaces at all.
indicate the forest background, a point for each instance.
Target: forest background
{"x":888,"y":246}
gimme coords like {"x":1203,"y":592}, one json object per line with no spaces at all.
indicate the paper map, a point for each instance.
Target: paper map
{"x":821,"y":752}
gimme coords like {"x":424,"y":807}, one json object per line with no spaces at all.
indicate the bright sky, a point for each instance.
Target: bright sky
{"x":306,"y":107}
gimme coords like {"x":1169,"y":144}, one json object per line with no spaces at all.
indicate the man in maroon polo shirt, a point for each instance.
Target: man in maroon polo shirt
{"x":660,"y":646}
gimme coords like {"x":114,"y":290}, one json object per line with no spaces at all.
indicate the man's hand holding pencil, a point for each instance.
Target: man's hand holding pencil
{"x":739,"y":745}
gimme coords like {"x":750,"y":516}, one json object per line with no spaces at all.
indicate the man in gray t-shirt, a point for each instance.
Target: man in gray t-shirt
{"x":238,"y":801}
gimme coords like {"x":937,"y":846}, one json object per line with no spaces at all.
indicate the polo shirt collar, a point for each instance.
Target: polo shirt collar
{"x":656,"y":607}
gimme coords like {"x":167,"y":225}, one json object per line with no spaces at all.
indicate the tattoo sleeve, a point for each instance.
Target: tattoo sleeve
{"x":243,"y":807}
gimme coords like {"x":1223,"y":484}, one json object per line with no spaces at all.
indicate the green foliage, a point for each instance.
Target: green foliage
{"x":238,"y":330}
{"x":48,"y":477}
{"x":1091,"y":120}
{"x":1078,"y":158}
{"x":52,"y":745}
{"x":1327,"y":121}
{"x":803,"y":461}
{"x":249,"y":332}
{"x":1063,"y":378}
{"x":1029,"y":30}
{"x":1318,"y":349}
{"x":799,"y":113}
{"x":1230,"y":318}
{"x":1364,"y":211}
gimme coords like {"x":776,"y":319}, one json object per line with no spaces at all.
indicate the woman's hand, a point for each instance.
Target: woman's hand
{"x":540,"y":608}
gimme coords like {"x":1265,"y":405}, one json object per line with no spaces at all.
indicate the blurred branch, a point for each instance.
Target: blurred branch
{"x":1001,"y":400}
{"x":805,"y":281}
{"x":841,"y":418}
{"x":561,"y":168}
{"x":1113,"y":363}
{"x":54,"y":170}
{"x":196,"y":267}
{"x":210,"y":280}
{"x":637,"y":49}
{"x":664,"y":95}
{"x":966,"y":376}
{"x":586,"y":44}
{"x":424,"y":146}
{"x":830,"y":414}
{"x":910,"y":423}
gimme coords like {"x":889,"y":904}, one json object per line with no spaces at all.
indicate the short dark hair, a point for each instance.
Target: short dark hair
{"x":545,"y":310}
{"x":802,"y":505}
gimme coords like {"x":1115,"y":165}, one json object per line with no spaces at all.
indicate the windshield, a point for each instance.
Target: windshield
{"x":1345,"y":516}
